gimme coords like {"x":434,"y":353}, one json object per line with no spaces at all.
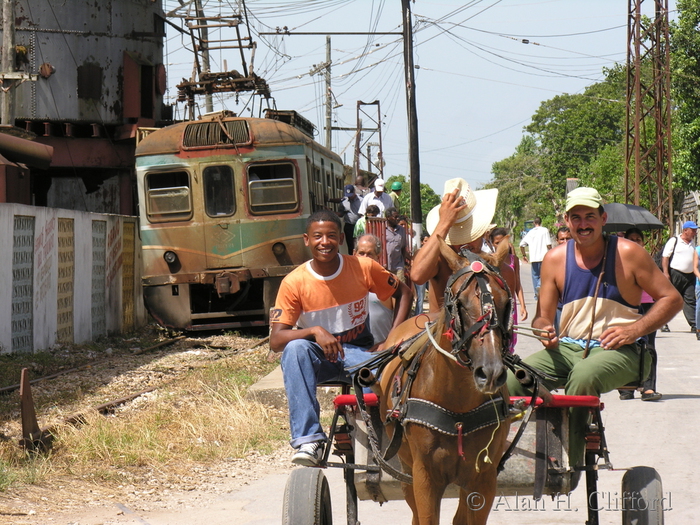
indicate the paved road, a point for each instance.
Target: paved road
{"x":660,"y":434}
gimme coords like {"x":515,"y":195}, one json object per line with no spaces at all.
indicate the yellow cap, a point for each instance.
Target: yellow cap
{"x":583,"y":197}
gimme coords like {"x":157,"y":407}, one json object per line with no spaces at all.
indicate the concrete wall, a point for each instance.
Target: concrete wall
{"x":70,"y":277}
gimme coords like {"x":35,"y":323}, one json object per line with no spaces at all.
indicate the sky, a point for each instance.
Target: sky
{"x":483,"y":67}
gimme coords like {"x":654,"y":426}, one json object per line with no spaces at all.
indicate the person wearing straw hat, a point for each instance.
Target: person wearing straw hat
{"x":461,"y":220}
{"x":599,"y":280}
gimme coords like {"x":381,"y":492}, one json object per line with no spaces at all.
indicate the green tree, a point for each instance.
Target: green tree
{"x":606,"y":172}
{"x":428,"y":198}
{"x":522,"y":193}
{"x":685,"y":81}
{"x":572,"y":130}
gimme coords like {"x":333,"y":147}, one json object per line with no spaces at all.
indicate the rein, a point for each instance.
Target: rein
{"x":418,"y":411}
{"x":460,"y":337}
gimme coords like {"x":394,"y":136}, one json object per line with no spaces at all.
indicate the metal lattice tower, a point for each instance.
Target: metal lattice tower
{"x":648,"y":175}
{"x":361,"y":142}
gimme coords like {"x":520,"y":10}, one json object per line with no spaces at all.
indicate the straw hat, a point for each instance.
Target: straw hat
{"x":474,"y":220}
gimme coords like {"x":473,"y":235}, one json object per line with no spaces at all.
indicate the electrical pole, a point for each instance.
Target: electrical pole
{"x":358,"y":142}
{"x":316,"y":69}
{"x":7,"y":63}
{"x":414,"y":162}
{"x":329,"y":102}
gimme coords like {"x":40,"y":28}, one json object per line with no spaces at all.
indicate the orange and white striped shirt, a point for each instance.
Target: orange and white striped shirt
{"x":338,"y":303}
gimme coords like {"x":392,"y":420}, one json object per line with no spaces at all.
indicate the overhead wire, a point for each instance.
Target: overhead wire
{"x":385,"y":83}
{"x":457,"y":40}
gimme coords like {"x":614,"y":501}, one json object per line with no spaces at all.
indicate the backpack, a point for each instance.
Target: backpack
{"x":657,"y":256}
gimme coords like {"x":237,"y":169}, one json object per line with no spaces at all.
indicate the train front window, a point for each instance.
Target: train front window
{"x":218,"y":191}
{"x":168,"y":196}
{"x":272,"y":188}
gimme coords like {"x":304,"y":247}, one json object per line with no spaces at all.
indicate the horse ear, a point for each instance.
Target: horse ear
{"x":496,"y":259}
{"x":502,"y":251}
{"x":454,"y":261}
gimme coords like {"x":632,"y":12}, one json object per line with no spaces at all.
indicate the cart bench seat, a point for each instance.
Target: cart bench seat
{"x":558,"y":401}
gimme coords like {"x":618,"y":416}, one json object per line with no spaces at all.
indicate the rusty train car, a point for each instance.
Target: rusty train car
{"x":223,"y":203}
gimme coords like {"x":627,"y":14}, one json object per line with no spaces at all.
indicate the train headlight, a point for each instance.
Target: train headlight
{"x":170,"y":257}
{"x":279,"y":248}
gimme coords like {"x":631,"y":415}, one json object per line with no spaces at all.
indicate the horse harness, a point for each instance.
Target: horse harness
{"x":418,"y":411}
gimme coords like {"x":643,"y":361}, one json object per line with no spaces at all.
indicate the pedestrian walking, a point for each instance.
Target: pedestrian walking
{"x":378,"y":197}
{"x":679,"y":260}
{"x":539,"y":241}
{"x":350,"y":210}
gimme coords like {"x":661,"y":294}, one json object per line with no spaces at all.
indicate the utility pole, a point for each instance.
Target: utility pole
{"x":358,"y":150}
{"x":326,"y":66}
{"x":329,"y":102}
{"x":414,"y":161}
{"x":361,"y":142}
{"x":7,"y":63}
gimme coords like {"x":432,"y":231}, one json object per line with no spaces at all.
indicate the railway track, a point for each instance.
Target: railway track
{"x":104,"y":384}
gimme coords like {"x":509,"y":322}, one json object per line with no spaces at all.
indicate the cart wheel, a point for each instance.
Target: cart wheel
{"x":642,"y":497}
{"x":307,"y":498}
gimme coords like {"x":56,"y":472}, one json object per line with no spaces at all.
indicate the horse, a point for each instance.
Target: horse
{"x":459,"y":376}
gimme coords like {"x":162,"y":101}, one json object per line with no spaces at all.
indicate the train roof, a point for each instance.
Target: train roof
{"x":223,"y":131}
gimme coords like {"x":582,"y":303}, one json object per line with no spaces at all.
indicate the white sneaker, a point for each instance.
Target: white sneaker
{"x":309,"y":454}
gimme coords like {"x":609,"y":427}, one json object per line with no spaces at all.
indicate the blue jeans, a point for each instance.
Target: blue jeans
{"x":697,"y":306}
{"x":536,"y":282}
{"x":304,"y":366}
{"x":420,"y":295}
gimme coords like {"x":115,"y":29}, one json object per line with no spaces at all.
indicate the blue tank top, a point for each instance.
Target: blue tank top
{"x":579,"y":290}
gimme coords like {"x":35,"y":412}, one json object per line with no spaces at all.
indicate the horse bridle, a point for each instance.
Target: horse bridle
{"x":489,"y":319}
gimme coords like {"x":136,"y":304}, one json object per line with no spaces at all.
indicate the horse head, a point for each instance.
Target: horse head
{"x":478,"y":314}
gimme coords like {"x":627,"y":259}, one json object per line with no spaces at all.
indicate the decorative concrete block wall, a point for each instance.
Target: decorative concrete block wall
{"x":70,"y":277}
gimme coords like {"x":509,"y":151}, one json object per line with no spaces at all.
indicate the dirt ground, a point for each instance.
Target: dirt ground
{"x":76,"y":501}
{"x":70,"y":502}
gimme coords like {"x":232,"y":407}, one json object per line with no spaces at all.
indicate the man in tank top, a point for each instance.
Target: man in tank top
{"x":596,"y":350}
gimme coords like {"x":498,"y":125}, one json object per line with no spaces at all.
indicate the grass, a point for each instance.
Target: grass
{"x":205,"y":418}
{"x":201,"y":418}
{"x":22,"y":467}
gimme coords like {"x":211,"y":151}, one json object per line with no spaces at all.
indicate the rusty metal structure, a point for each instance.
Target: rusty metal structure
{"x":205,"y":82}
{"x":364,"y":142}
{"x":224,"y":202}
{"x":377,"y":227}
{"x":648,"y":167}
{"x":83,"y":76}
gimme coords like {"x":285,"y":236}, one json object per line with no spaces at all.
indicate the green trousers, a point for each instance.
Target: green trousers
{"x":602,"y":371}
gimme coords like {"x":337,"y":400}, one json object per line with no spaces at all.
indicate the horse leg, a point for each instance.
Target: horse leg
{"x":426,"y":496}
{"x":474,"y":507}
{"x":411,"y":500}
